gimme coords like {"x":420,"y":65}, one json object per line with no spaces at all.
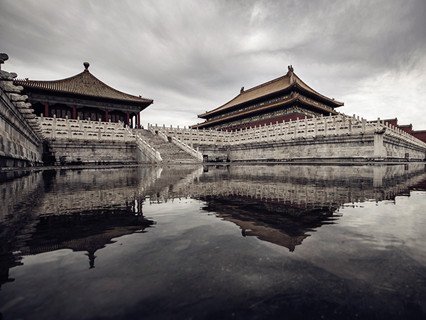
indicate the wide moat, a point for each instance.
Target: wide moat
{"x":214,"y":242}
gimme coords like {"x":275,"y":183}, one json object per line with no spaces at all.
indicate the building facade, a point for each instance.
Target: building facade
{"x":280,"y":100}
{"x":83,"y":97}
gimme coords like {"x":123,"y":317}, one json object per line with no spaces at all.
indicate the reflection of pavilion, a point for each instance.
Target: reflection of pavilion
{"x":83,"y":210}
{"x":274,"y":222}
{"x":88,"y":231}
{"x":282,"y":204}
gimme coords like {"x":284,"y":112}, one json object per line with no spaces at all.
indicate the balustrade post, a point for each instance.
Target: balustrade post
{"x":338,"y":124}
{"x":306,"y":126}
{"x":296,"y":128}
{"x":315,"y":127}
{"x":287,"y":129}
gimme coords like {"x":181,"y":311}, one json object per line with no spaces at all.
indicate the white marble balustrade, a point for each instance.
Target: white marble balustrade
{"x":58,"y":128}
{"x":274,"y":132}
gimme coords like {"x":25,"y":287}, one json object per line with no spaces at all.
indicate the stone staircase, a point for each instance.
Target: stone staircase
{"x":170,"y":153}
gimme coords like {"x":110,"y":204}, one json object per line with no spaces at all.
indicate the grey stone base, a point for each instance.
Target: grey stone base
{"x":100,"y":152}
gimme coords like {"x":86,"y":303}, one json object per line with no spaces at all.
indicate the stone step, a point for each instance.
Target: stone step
{"x":168,"y":151}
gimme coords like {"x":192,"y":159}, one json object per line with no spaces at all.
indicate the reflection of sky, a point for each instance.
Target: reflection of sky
{"x":369,"y":232}
{"x":192,"y":262}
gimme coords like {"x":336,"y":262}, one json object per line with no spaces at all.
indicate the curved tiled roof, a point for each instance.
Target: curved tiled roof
{"x":293,"y":98}
{"x":279,"y":84}
{"x":84,"y":84}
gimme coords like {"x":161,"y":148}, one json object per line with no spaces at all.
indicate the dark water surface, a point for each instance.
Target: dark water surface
{"x":244,"y":242}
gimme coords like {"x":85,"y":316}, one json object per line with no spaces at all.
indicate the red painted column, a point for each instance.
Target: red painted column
{"x":46,"y":109}
{"x":138,"y":121}
{"x":74,"y":112}
{"x":106,"y":116}
{"x":127,"y":118}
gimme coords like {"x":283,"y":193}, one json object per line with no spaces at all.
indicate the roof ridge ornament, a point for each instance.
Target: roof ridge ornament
{"x":242,"y":90}
{"x":290,"y":72}
{"x":86,"y":66}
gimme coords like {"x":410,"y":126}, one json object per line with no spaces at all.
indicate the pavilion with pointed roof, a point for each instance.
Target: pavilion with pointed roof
{"x":282,"y":99}
{"x":83,"y":97}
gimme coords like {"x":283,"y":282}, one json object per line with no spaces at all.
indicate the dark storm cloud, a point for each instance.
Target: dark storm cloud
{"x":190,"y":56}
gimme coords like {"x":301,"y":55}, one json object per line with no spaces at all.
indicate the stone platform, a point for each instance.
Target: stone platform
{"x":333,"y":138}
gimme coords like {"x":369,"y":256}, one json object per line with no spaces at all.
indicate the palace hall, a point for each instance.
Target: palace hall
{"x":83,"y":97}
{"x":280,"y":100}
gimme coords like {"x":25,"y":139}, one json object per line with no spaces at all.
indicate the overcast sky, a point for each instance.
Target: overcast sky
{"x":192,"y":56}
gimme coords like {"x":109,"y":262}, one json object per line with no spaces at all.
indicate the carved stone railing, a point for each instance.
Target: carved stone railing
{"x":194,"y":136}
{"x":299,"y":129}
{"x":180,"y":144}
{"x":188,"y":149}
{"x":58,"y":128}
{"x":396,"y":132}
{"x":148,"y":150}
{"x":303,"y":129}
{"x":162,"y":136}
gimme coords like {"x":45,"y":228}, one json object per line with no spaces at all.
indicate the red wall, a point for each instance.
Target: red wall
{"x":407,"y":128}
{"x":393,"y":122}
{"x":421,"y":135}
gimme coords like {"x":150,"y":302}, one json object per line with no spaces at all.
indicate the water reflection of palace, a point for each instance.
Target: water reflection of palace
{"x":84,"y":210}
{"x":81,"y":210}
{"x":282,"y":204}
{"x":307,"y":186}
{"x":89,"y":232}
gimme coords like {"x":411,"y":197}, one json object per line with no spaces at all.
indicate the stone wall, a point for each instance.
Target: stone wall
{"x":19,"y":189}
{"x":397,"y":149}
{"x":355,"y":147}
{"x":96,"y":152}
{"x":337,"y":138}
{"x":20,"y":139}
{"x":85,"y":141}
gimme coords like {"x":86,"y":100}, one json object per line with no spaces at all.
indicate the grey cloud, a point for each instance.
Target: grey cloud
{"x":190,"y":56}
